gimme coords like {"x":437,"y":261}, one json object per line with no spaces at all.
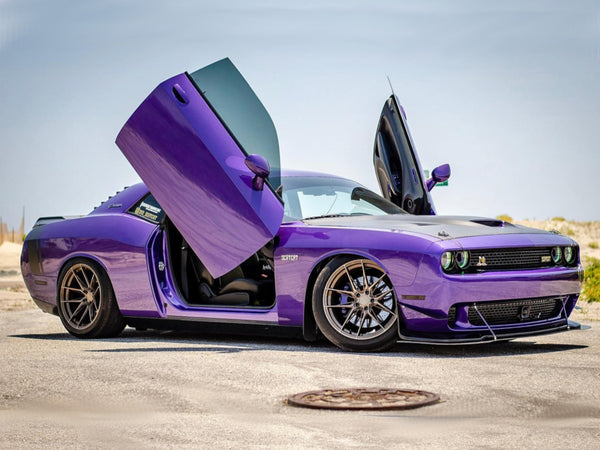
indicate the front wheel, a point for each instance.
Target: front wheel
{"x":86,"y":301}
{"x":355,"y":305}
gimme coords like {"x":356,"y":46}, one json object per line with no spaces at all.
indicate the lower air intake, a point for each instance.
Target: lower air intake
{"x":515,"y":311}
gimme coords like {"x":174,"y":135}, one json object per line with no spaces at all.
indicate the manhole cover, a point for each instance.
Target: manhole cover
{"x":363,"y":398}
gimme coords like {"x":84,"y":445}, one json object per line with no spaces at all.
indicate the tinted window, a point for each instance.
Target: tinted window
{"x":238,"y":107}
{"x":149,"y":209}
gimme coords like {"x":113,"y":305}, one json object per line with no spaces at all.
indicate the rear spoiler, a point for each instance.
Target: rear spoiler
{"x":46,"y":220}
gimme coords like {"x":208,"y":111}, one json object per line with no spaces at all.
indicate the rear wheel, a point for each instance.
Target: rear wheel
{"x":355,"y":305}
{"x":86,"y":301}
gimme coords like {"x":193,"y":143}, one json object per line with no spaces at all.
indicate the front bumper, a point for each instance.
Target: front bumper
{"x":426,"y":303}
{"x":485,"y":338}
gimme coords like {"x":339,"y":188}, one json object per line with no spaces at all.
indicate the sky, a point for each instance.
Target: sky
{"x":506,"y":92}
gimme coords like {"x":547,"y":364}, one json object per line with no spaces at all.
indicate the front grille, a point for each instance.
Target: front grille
{"x":510,"y":258}
{"x":515,"y":311}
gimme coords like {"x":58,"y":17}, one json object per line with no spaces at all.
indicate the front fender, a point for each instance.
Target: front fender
{"x":302,"y":249}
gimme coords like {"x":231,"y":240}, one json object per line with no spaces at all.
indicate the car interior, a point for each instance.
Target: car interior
{"x":251,"y":284}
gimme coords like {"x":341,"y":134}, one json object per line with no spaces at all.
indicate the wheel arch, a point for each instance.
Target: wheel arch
{"x":73,"y":256}
{"x":309,"y":324}
{"x":105,"y":319}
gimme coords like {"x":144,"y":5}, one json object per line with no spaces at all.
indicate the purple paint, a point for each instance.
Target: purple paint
{"x":216,"y":197}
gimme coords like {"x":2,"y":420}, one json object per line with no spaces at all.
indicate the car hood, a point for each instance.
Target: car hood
{"x":441,"y":227}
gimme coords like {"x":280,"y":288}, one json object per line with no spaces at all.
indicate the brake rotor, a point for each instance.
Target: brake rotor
{"x":364,"y":398}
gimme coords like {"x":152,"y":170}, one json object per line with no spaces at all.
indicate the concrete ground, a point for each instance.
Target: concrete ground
{"x":179,"y":390}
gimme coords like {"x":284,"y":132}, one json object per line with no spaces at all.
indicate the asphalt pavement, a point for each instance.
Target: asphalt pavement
{"x":156,"y":389}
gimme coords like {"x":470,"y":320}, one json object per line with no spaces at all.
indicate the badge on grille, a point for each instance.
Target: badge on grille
{"x":525,"y":312}
{"x":546,"y":259}
{"x":481,"y":261}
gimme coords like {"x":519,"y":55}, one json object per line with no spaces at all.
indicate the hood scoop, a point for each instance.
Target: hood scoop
{"x":489,"y":222}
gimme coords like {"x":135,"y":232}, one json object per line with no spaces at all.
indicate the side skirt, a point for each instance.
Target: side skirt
{"x":239,"y":329}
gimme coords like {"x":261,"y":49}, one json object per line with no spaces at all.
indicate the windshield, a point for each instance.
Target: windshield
{"x":313,"y":197}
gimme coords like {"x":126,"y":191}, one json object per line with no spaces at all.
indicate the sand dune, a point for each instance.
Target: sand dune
{"x":13,"y":294}
{"x":10,"y":254}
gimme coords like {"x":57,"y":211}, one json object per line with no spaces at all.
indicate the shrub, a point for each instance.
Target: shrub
{"x":568,"y":231}
{"x":504,"y":217}
{"x":558,"y":219}
{"x":591,"y":281}
{"x":593,"y":245}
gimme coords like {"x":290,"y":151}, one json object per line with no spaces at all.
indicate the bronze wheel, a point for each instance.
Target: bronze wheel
{"x":86,"y":303}
{"x":355,"y":305}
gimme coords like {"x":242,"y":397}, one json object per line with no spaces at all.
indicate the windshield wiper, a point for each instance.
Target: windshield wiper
{"x":324,"y":216}
{"x":328,"y":216}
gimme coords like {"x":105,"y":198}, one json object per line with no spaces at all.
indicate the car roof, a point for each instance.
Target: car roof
{"x":138,"y":190}
{"x":306,"y":173}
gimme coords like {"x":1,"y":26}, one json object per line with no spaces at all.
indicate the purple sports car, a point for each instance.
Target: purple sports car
{"x":220,"y":238}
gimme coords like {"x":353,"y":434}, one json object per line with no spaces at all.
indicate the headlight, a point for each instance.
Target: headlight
{"x":446,"y":260}
{"x":462,"y":259}
{"x":569,"y":255}
{"x":556,"y":254}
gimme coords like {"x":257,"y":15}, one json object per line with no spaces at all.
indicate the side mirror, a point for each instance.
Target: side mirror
{"x":260,"y":168}
{"x":438,"y":175}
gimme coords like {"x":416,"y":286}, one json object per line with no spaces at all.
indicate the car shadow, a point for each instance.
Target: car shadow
{"x":504,"y":348}
{"x":220,"y":343}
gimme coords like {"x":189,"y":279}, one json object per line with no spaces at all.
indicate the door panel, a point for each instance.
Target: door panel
{"x":195,"y":169}
{"x":397,"y":165}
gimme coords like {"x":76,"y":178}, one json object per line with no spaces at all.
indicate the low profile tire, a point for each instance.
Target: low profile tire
{"x":86,"y":301}
{"x":355,"y":305}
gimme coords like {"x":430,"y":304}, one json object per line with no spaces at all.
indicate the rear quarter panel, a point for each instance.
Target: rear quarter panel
{"x":116,"y":241}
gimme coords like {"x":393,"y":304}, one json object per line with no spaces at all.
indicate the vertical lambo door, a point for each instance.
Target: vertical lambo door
{"x":189,"y":141}
{"x":397,"y":165}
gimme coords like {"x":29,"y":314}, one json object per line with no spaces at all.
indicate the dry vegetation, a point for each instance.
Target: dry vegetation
{"x":587,"y":234}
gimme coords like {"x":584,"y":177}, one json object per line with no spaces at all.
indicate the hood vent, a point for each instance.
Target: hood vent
{"x":489,"y":222}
